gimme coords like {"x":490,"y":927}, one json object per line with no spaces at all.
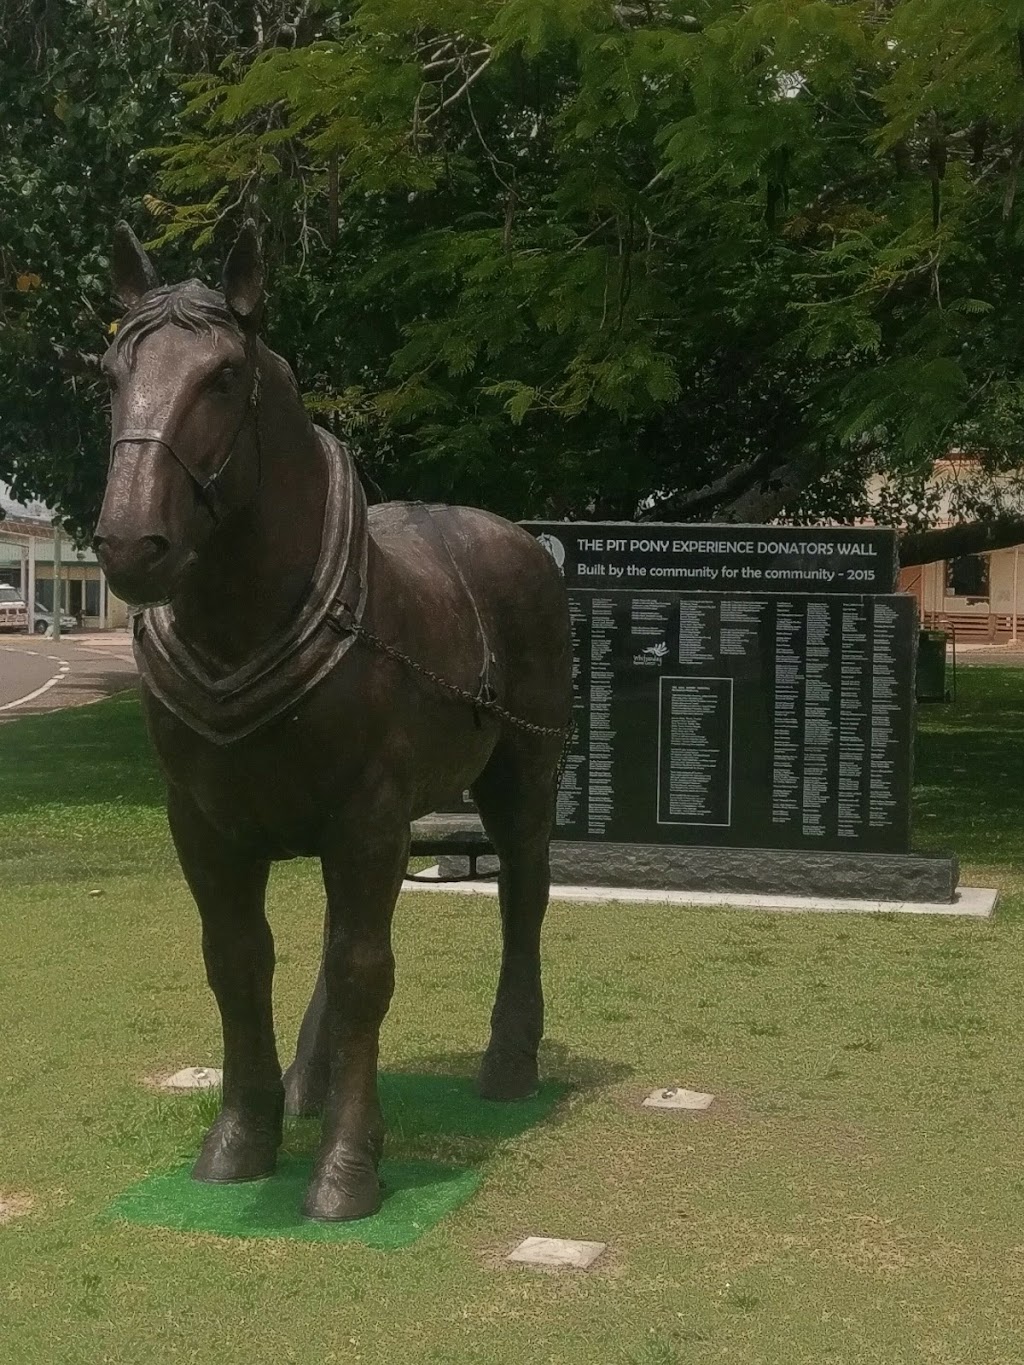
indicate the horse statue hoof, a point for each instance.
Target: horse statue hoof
{"x":232,"y":1153}
{"x":343,"y":1193}
{"x":507,"y":1076}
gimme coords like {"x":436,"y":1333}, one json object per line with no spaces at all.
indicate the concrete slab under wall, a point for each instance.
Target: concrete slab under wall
{"x":900,"y":877}
{"x":968,"y":902}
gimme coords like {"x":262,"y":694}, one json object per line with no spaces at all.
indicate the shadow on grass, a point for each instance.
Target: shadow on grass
{"x":568,"y":1068}
{"x":93,"y":755}
{"x":969,"y":771}
{"x":424,"y":1111}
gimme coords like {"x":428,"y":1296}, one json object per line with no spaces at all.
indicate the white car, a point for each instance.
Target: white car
{"x":13,"y":609}
{"x":44,"y":620}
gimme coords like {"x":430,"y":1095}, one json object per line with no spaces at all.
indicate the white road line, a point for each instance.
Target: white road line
{"x":59,"y":676}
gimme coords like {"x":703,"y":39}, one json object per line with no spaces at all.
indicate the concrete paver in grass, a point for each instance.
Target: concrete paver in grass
{"x":678,"y":1097}
{"x":558,"y":1252}
{"x":194,"y":1078}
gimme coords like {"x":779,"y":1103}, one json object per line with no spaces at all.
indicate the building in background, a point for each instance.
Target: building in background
{"x":979,"y":597}
{"x":26,"y":562}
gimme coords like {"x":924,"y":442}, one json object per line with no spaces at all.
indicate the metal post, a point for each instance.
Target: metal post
{"x":1016,"y":556}
{"x":58,"y":604}
{"x":31,"y":600}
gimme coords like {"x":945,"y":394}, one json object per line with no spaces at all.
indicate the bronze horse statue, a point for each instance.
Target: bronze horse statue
{"x":315,"y":676}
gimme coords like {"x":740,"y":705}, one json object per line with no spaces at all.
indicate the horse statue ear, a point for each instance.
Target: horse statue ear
{"x":243,"y":277}
{"x":131,"y":269}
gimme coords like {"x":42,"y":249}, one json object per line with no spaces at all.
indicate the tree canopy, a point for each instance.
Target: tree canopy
{"x":556,"y":257}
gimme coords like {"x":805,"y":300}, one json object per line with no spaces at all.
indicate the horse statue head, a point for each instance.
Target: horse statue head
{"x":184,"y":375}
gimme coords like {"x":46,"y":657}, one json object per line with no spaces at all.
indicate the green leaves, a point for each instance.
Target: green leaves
{"x":548,"y":255}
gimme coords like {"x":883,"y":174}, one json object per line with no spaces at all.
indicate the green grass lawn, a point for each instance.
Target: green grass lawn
{"x":854,"y":1195}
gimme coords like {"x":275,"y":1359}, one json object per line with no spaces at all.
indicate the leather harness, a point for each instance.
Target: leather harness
{"x":227,"y":707}
{"x":223,"y":707}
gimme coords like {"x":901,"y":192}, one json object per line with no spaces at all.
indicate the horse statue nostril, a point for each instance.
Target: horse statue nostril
{"x":155,"y":548}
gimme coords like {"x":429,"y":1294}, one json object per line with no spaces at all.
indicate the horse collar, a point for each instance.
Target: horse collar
{"x":227,"y":707}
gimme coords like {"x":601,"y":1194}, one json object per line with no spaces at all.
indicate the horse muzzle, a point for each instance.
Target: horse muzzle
{"x":142,"y":540}
{"x":134,"y":566}
{"x":142,"y":570}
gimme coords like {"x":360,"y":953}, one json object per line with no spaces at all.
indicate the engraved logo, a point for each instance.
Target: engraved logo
{"x":652,"y":656}
{"x":554,"y":547}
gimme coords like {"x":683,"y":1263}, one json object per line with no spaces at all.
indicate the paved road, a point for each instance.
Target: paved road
{"x":38,"y":675}
{"x":26,"y":670}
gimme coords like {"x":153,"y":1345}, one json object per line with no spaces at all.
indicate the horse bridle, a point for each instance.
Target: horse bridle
{"x":208,"y":489}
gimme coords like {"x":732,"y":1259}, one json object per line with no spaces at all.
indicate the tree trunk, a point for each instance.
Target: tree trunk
{"x":969,"y":538}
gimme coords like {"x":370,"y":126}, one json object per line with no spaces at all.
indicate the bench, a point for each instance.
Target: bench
{"x":442,"y":834}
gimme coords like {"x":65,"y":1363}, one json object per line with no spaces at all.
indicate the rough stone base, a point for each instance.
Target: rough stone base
{"x":859,"y":876}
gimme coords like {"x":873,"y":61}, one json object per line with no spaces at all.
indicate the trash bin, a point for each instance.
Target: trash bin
{"x":931,"y":666}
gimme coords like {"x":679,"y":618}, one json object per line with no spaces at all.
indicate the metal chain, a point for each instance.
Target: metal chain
{"x":491,"y":704}
{"x":563,"y":760}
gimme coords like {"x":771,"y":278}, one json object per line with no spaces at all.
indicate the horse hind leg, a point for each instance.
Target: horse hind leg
{"x":515,"y":795}
{"x":307,"y":1080}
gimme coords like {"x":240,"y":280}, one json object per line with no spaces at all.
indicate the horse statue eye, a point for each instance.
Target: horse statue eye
{"x":225,"y":378}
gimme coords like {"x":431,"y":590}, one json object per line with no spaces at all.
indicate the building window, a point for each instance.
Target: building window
{"x":968,"y":577}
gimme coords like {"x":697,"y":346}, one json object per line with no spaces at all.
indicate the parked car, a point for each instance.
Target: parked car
{"x":13,"y":609}
{"x":44,"y":620}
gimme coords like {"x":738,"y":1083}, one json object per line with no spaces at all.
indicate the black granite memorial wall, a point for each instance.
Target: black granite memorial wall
{"x":739,"y":686}
{"x":742,"y":688}
{"x":754,"y":721}
{"x":722,"y":558}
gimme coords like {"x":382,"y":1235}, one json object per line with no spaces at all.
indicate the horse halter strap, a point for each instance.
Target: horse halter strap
{"x":208,"y":489}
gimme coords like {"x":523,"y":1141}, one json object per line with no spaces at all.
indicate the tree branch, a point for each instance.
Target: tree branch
{"x":729,"y":484}
{"x":968,"y":538}
{"x":473,"y":76}
{"x":761,"y":504}
{"x":76,"y":362}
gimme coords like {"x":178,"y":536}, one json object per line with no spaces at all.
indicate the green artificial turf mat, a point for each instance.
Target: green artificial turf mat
{"x":418,"y":1193}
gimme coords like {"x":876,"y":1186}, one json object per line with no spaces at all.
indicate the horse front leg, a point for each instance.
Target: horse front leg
{"x":362,"y":875}
{"x":229,"y":887}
